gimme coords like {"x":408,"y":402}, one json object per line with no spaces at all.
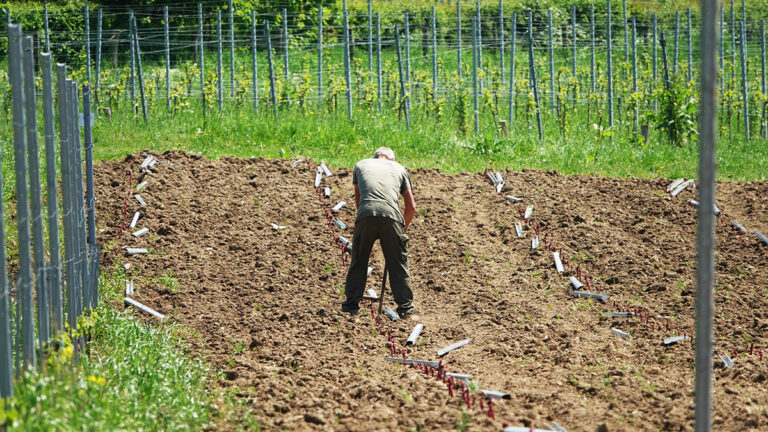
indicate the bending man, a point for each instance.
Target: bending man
{"x":378,"y":183}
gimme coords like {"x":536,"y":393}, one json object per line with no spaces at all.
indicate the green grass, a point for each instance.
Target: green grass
{"x":430,"y":143}
{"x":137,"y":377}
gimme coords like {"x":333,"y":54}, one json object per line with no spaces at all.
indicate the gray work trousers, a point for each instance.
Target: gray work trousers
{"x":394,"y":244}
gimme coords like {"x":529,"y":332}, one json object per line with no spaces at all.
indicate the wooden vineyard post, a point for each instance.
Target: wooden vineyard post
{"x":347,"y":62}
{"x":475,"y":60}
{"x":98,"y":58}
{"x":167,"y":59}
{"x":402,"y":78}
{"x":458,"y":36}
{"x":202,"y":54}
{"x":634,"y":76}
{"x":87,"y":20}
{"x":626,"y":31}
{"x":512,"y":71}
{"x":434,"y":56}
{"x":592,"y":47}
{"x":378,"y":60}
{"x":609,"y":56}
{"x":231,"y":50}
{"x":137,"y":51}
{"x":654,"y":56}
{"x":573,"y":40}
{"x":677,"y":40}
{"x":553,"y":96}
{"x":286,"y":72}
{"x":46,"y":29}
{"x":271,"y":62}
{"x":320,"y":54}
{"x":219,"y":68}
{"x":133,"y":61}
{"x":254,"y":65}
{"x":408,"y":89}
{"x":705,"y":236}
{"x":370,"y":42}
{"x":501,"y":40}
{"x":762,"y":76}
{"x":532,"y":69}
{"x":744,"y":93}
{"x":690,"y":46}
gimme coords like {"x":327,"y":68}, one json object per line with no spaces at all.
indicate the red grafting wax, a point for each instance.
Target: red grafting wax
{"x":735,"y":352}
{"x":392,"y":349}
{"x":490,"y":410}
{"x":482,"y":405}
{"x":752,"y":348}
{"x":545,"y":236}
{"x":667,"y":324}
{"x":450,"y":386}
{"x":536,"y":228}
{"x":578,"y":271}
{"x":761,"y":355}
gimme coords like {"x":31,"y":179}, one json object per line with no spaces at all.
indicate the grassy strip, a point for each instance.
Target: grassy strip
{"x":308,"y":133}
{"x":138,"y":377}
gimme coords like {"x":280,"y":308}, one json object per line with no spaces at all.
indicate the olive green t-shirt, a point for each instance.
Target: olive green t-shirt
{"x":380,"y":182}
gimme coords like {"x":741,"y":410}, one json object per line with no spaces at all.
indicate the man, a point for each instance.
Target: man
{"x":378,"y":182}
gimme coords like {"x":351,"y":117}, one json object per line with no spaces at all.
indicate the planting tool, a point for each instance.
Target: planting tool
{"x":535,"y":242}
{"x":624,"y":335}
{"x":528,"y":212}
{"x":318,"y":177}
{"x":325,"y":169}
{"x":675,"y":184}
{"x":383,"y":284}
{"x":682,"y":187}
{"x":558,"y":262}
{"x":140,"y":232}
{"x":141,"y":186}
{"x":338,"y":206}
{"x":499,"y":179}
{"x":277,"y":227}
{"x":390,"y":313}
{"x":134,"y":251}
{"x":739,"y":227}
{"x":449,"y":348}
{"x":143,"y":308}
{"x":414,"y":334}
{"x":490,"y":394}
{"x":576,"y":284}
{"x":135,"y":219}
{"x":296,"y":163}
{"x":622,"y":314}
{"x":512,"y":198}
{"x":519,"y":229}
{"x":412,"y":361}
{"x":339,"y":223}
{"x":326,"y":192}
{"x":140,"y":200}
{"x":727,"y":361}
{"x":674,"y":339}
{"x":587,"y":294}
{"x":491,"y":177}
{"x":761,"y":236}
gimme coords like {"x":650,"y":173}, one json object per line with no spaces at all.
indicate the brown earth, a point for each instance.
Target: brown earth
{"x":265,"y":304}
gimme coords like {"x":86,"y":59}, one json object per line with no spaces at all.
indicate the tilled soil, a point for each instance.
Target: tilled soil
{"x":263,"y":305}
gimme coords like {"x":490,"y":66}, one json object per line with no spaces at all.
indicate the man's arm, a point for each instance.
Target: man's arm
{"x":357,"y":197}
{"x":410,"y":207}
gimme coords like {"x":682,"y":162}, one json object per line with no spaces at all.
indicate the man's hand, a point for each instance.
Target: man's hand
{"x":410,"y":207}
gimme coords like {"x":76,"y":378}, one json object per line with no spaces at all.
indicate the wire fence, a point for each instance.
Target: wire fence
{"x":52,"y":291}
{"x":439,"y":53}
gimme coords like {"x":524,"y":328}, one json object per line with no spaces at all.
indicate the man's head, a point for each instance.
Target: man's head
{"x":384,"y":153}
